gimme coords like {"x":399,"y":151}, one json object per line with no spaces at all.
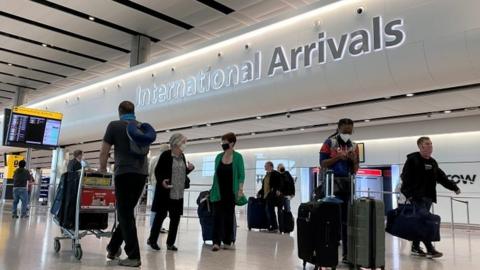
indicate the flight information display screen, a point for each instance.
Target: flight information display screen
{"x":31,"y":129}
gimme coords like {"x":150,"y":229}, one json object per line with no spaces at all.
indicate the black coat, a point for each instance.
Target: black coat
{"x":415,"y":182}
{"x":163,"y":171}
{"x":288,"y":184}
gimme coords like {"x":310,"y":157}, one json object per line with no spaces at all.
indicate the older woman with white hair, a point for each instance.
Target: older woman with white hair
{"x":171,"y":175}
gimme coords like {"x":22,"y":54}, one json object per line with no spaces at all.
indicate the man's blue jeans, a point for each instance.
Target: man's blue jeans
{"x":20,"y":194}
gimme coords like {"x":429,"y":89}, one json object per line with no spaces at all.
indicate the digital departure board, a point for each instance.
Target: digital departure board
{"x":32,"y":128}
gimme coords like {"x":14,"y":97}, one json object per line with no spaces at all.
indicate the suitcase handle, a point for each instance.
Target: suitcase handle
{"x":329,"y":183}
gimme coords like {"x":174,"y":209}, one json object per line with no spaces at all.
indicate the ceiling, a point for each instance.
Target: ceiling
{"x":50,"y":46}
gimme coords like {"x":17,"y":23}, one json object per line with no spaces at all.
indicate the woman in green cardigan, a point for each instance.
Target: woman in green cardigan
{"x":227,"y":190}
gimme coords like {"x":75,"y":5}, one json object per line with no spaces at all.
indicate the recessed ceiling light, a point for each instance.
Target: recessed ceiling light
{"x":168,"y":130}
{"x":212,"y":138}
{"x":410,"y":95}
{"x":323,"y":107}
{"x":302,"y":129}
{"x":91,"y":18}
{"x":259,"y":117}
{"x":209,"y":125}
{"x":10,"y":64}
{"x":253,"y":133}
{"x":447,"y":111}
{"x":367,"y":120}
{"x":44,"y":45}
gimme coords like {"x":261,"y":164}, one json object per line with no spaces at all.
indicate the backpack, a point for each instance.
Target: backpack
{"x":140,"y":137}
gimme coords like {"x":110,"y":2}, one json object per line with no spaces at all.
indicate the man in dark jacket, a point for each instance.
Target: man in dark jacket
{"x":287,"y":188}
{"x":271,"y":193}
{"x":420,"y":176}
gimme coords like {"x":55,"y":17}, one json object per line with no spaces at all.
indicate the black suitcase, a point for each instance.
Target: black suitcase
{"x":256,"y":214}
{"x":286,"y":223}
{"x":319,"y":230}
{"x":205,"y":215}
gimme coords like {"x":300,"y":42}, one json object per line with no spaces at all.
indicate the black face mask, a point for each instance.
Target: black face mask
{"x":282,"y":170}
{"x":225,"y":146}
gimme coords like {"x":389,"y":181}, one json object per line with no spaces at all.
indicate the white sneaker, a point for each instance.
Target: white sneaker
{"x":229,"y":247}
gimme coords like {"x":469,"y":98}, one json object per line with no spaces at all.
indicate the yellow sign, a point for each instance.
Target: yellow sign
{"x":39,"y":113}
{"x":12,"y":165}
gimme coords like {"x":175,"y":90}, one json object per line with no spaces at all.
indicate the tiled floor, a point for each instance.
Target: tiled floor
{"x":28,"y":244}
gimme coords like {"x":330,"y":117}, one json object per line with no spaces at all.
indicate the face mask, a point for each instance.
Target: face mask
{"x":84,"y":163}
{"x":345,"y":137}
{"x":282,"y":170}
{"x":225,"y":146}
{"x":182,"y":147}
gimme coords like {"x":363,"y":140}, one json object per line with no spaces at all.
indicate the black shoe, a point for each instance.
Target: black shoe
{"x":130,"y":262}
{"x":113,"y":256}
{"x":172,"y":248}
{"x":434,"y":254}
{"x":14,"y":216}
{"x":153,"y":245}
{"x":345,"y":260}
{"x":417,"y":251}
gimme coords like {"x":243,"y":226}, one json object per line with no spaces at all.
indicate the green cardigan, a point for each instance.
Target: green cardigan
{"x":238,"y":176}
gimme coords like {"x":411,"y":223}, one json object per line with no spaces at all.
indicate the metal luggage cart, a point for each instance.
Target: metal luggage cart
{"x":85,"y":184}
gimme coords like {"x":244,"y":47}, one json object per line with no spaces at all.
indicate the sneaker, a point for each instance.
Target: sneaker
{"x":172,"y":248}
{"x":230,"y":247}
{"x":417,"y":251}
{"x":130,"y":262}
{"x":434,"y":254}
{"x":114,"y":256}
{"x":215,"y":248}
{"x":153,"y":245}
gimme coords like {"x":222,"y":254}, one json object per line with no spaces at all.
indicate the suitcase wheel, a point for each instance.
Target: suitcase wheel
{"x":56,"y":245}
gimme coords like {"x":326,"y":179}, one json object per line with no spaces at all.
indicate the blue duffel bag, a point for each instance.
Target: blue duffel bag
{"x":412,"y":223}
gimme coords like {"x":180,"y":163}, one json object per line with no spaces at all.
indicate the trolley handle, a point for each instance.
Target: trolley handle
{"x":77,"y":207}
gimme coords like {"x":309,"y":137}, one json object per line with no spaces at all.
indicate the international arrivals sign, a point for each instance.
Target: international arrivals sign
{"x":283,"y":60}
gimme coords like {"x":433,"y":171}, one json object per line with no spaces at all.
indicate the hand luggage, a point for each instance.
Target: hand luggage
{"x":286,"y":222}
{"x":413,"y":224}
{"x":205,"y":215}
{"x":256,"y":214}
{"x":319,"y":228}
{"x":56,"y":208}
{"x":366,"y":233}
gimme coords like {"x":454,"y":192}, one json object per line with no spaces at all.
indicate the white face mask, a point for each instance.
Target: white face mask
{"x":345,"y":137}
{"x":183,"y":147}
{"x":84,"y":163}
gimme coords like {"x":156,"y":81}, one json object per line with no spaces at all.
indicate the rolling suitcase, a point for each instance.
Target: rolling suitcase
{"x":366,"y":232}
{"x":205,"y":215}
{"x":318,"y":229}
{"x":286,"y":222}
{"x":256,"y":215}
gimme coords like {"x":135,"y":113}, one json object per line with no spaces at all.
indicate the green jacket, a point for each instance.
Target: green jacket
{"x":238,"y":176}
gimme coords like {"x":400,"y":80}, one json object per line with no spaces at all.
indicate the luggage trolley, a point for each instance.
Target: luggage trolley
{"x":95,"y":195}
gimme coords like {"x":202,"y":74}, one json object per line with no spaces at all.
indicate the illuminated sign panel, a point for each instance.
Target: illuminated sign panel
{"x":356,"y":43}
